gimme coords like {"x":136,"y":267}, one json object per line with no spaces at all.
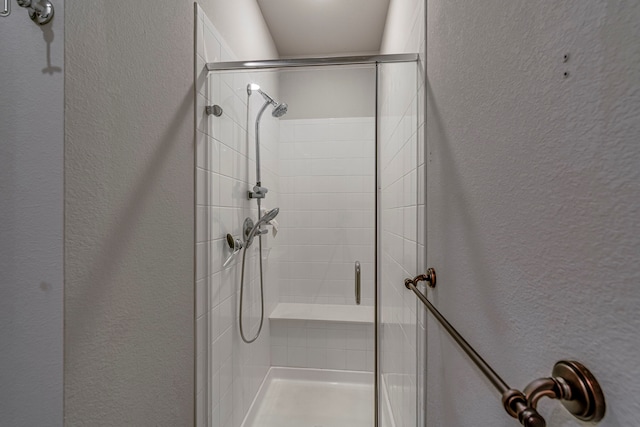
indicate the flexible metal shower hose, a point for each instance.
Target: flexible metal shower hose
{"x":244,"y":255}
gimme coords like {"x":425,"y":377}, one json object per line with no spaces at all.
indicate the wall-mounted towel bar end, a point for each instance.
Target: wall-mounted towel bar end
{"x":429,"y":277}
{"x":571,"y":382}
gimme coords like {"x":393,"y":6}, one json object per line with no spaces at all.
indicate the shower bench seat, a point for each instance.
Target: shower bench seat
{"x":322,"y":336}
{"x":358,"y":314}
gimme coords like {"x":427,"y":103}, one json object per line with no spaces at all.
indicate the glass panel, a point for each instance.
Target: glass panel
{"x":398,"y":225}
{"x":317,"y":165}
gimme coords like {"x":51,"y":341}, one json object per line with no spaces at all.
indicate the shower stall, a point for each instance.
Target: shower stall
{"x":307,"y":219}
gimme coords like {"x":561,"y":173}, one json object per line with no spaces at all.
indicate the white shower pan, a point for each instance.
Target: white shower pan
{"x":295,"y":397}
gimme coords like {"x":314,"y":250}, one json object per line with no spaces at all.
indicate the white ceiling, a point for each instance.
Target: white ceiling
{"x":325,"y":27}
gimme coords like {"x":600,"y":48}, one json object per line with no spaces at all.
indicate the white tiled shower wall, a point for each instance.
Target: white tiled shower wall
{"x":398,"y":238}
{"x":327,"y":185}
{"x":225,"y":171}
{"x":322,"y":345}
{"x":403,"y":332}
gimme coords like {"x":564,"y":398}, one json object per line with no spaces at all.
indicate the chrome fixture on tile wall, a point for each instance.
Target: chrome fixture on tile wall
{"x":251,"y":230}
{"x":215,"y":110}
{"x":5,"y":8}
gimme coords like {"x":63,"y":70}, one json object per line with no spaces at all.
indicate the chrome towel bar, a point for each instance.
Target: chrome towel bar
{"x":571,"y":383}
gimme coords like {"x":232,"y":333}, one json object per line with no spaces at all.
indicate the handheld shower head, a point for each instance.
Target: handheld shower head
{"x":255,"y":228}
{"x":269,"y":215}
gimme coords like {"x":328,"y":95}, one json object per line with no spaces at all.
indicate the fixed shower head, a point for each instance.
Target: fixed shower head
{"x":280,"y":110}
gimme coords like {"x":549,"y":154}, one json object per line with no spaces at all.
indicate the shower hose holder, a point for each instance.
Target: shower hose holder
{"x":258,"y":192}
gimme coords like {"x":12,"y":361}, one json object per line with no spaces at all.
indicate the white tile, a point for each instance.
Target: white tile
{"x":226,"y":314}
{"x":215,"y":389}
{"x":297,"y":357}
{"x":202,"y":260}
{"x":215,"y":289}
{"x":202,"y":224}
{"x":279,"y":355}
{"x":296,"y":337}
{"x":202,"y":298}
{"x":356,"y":360}
{"x":226,"y":408}
{"x":214,"y":322}
{"x":214,"y":155}
{"x":336,"y":358}
{"x":212,"y":49}
{"x":317,"y":358}
{"x":227,"y":188}
{"x":278,"y":332}
{"x":337,"y":336}
{"x":356,"y":340}
{"x":201,"y":335}
{"x":317,"y":338}
{"x":226,"y":377}
{"x":202,"y":187}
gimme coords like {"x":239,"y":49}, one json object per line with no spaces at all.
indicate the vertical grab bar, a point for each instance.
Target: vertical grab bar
{"x":357,"y":282}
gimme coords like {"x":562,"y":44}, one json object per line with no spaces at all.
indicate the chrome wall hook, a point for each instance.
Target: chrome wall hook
{"x":40,"y":11}
{"x":215,"y":110}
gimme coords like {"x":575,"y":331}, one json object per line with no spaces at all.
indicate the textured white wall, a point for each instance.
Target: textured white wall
{"x":31,"y":250}
{"x":533,"y":200}
{"x":129,"y":220}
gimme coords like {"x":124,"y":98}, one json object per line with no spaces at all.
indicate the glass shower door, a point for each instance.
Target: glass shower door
{"x":315,"y":353}
{"x":400,"y":182}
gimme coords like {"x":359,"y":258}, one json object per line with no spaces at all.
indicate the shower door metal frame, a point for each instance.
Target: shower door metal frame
{"x":337,"y":61}
{"x":311,"y":62}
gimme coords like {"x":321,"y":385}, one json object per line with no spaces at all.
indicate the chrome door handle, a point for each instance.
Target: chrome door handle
{"x":358,"y":282}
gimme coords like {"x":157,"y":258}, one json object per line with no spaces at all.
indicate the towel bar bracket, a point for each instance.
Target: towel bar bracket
{"x":429,"y":277}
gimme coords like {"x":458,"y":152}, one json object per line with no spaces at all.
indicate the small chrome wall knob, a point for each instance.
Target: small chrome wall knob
{"x":216,"y":110}
{"x":40,"y":11}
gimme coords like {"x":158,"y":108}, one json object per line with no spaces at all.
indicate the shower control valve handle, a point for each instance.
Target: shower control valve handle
{"x":235,"y":245}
